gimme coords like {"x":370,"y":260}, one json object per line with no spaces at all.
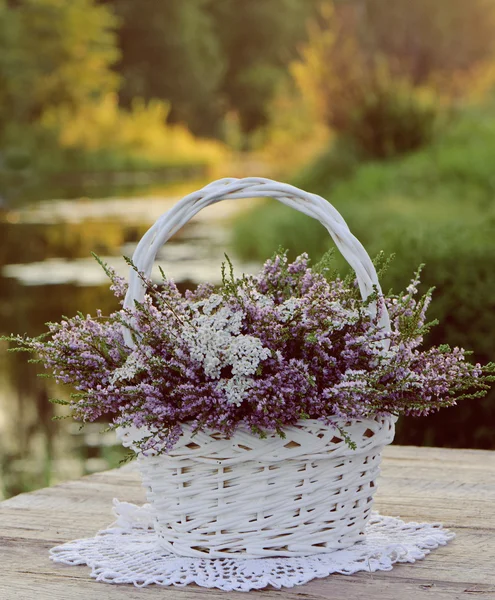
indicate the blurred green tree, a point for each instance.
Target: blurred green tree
{"x":207,"y":57}
{"x":259,"y":39}
{"x":54,"y":53}
{"x":170,"y":51}
{"x":6,"y":44}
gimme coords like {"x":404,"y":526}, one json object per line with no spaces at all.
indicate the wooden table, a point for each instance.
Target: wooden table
{"x":456,"y":487}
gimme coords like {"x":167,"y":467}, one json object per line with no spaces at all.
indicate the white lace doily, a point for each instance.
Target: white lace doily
{"x":128,"y":552}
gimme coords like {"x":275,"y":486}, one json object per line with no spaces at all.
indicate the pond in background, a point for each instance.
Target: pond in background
{"x":46,"y":271}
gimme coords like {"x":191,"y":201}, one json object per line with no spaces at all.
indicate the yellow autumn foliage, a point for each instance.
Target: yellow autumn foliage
{"x":142,"y":132}
{"x":295,"y":133}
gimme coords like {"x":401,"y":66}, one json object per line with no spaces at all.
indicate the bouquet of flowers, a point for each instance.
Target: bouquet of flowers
{"x":293,"y":342}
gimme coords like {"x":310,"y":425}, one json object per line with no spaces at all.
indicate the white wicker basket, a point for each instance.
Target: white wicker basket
{"x":306,"y":494}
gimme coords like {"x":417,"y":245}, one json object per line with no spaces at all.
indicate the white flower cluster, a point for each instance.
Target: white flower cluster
{"x":214,"y":339}
{"x":209,"y":304}
{"x":287,"y":309}
{"x":343,"y":315}
{"x":236,"y":388}
{"x":129,"y":369}
{"x":262,"y":300}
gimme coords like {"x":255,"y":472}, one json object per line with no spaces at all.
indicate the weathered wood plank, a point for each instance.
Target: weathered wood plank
{"x":456,"y":487}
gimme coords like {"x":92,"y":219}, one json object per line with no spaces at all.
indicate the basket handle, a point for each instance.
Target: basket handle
{"x":253,"y":187}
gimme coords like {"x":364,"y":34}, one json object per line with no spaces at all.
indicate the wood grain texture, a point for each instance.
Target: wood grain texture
{"x":456,"y":487}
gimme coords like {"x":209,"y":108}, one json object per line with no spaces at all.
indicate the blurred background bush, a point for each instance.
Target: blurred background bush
{"x":385,"y":108}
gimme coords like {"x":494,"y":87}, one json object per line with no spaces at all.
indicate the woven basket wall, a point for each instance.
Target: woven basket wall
{"x":306,"y":494}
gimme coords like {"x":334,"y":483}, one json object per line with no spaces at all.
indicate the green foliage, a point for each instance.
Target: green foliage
{"x":392,"y":119}
{"x":59,"y":111}
{"x":338,"y":161}
{"x":206,"y":56}
{"x":326,"y":265}
{"x":352,"y":445}
{"x":54,"y":53}
{"x":258,"y":40}
{"x":61,"y":144}
{"x":170,"y":51}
